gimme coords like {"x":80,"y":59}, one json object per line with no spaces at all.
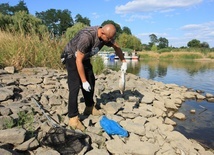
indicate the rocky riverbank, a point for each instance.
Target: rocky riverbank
{"x":145,"y":110}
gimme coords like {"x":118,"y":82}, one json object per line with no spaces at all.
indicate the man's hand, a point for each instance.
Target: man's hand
{"x":86,"y":86}
{"x":124,"y":67}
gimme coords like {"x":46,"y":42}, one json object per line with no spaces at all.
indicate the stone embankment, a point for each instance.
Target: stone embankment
{"x":146,"y":110}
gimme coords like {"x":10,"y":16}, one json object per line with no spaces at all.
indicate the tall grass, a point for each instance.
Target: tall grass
{"x":181,"y":55}
{"x":30,"y":50}
{"x":173,"y":55}
{"x":98,"y":64}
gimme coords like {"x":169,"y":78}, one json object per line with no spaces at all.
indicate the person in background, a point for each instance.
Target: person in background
{"x":77,"y":53}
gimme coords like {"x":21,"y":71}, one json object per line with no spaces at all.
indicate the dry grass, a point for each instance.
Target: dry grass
{"x":171,"y":55}
{"x":28,"y":51}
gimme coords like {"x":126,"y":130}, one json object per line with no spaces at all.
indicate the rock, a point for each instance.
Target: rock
{"x":169,"y":121}
{"x":192,"y":111}
{"x":211,"y":99}
{"x":208,"y":95}
{"x":180,"y":116}
{"x":28,"y":145}
{"x":12,"y":136}
{"x":5,"y":94}
{"x":144,"y":109}
{"x":10,"y":69}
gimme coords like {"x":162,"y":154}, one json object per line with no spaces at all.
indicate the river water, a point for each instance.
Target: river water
{"x":198,"y":75}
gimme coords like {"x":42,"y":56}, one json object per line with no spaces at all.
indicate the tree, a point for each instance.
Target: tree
{"x":124,"y":40}
{"x":57,"y":21}
{"x":154,"y":48}
{"x":26,"y":23}
{"x":205,"y":45}
{"x":163,"y":43}
{"x":21,"y":6}
{"x":72,"y":31}
{"x":129,"y":41}
{"x":22,"y":22}
{"x":80,"y":19}
{"x":194,"y":43}
{"x":65,"y":19}
{"x":135,"y":43}
{"x":6,"y":9}
{"x":153,"y":38}
{"x":5,"y":22}
{"x":127,"y":30}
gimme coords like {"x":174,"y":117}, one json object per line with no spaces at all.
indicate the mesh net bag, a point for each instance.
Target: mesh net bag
{"x":66,"y":141}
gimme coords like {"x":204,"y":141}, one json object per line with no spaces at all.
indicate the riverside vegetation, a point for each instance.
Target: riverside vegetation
{"x":30,"y":50}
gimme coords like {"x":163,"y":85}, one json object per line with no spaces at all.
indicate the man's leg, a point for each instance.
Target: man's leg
{"x":73,"y":86}
{"x":88,"y":96}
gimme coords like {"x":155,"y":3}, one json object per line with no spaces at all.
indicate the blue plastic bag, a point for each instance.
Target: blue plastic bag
{"x":111,"y":127}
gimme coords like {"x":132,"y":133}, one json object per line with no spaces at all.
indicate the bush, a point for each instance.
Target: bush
{"x":98,"y":64}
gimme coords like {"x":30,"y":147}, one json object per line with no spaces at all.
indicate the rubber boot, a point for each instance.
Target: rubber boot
{"x":91,"y":111}
{"x":76,"y":124}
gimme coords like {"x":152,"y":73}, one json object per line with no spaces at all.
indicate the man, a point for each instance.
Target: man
{"x":84,"y":45}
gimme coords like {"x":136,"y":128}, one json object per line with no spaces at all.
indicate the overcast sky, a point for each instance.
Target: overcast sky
{"x":179,"y":21}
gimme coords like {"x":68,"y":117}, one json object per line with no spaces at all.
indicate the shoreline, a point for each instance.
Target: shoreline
{"x":144,"y":109}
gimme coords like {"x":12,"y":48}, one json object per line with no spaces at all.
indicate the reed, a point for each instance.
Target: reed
{"x":30,"y":50}
{"x":98,"y":64}
{"x":181,"y":55}
{"x":172,"y":55}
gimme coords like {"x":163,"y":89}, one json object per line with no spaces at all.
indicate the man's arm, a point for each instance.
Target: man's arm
{"x":118,"y":52}
{"x":80,"y":68}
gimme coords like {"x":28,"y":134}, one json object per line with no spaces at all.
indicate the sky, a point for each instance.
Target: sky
{"x":179,"y":21}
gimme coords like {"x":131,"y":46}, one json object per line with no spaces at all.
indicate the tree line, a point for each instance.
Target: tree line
{"x":60,"y":22}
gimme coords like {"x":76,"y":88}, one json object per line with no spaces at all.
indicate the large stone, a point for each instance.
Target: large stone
{"x":12,"y":136}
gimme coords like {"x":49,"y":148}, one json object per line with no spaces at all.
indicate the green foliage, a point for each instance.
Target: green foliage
{"x":72,"y":31}
{"x":154,"y":48}
{"x":194,"y":43}
{"x":168,"y":56}
{"x":163,"y":43}
{"x":165,"y":50}
{"x":25,"y":24}
{"x":22,"y":23}
{"x":98,"y":64}
{"x":80,"y":19}
{"x":106,"y":48}
{"x":57,"y":21}
{"x":153,"y":38}
{"x":205,"y":45}
{"x":127,"y":30}
{"x":6,"y":9}
{"x":25,"y":120}
{"x":5,"y":22}
{"x":129,"y":41}
{"x":124,"y":40}
{"x":8,"y":123}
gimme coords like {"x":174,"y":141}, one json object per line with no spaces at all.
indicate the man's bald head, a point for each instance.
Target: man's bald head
{"x":110,"y":30}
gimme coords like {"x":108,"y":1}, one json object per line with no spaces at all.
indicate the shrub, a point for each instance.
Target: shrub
{"x":98,"y":64}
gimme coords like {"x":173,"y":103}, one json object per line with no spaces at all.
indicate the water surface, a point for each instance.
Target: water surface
{"x":198,"y":75}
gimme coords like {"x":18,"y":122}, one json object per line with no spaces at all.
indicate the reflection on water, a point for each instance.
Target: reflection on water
{"x":198,"y":75}
{"x":192,"y":74}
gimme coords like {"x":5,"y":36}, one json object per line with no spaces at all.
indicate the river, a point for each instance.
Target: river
{"x":198,"y":75}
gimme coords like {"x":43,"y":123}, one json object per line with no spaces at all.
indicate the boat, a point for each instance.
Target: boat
{"x":127,"y":56}
{"x":107,"y":55}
